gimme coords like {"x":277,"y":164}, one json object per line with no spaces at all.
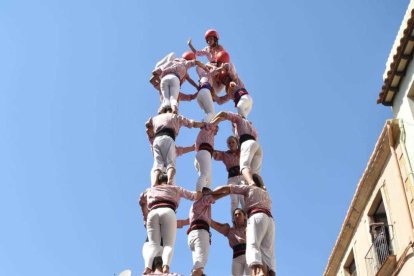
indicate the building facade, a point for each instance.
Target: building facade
{"x":377,"y":235}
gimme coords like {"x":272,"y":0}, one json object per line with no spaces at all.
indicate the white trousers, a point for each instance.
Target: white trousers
{"x":244,"y":106}
{"x":251,"y":156}
{"x":236,"y":199}
{"x":260,"y":239}
{"x":170,"y":89}
{"x":205,"y":101}
{"x":161,"y":223}
{"x":164,"y":152}
{"x":239,"y":266}
{"x":199,"y":243}
{"x":146,"y":249}
{"x":202,"y":164}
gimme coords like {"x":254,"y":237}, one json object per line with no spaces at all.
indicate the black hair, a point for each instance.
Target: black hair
{"x":165,"y":109}
{"x":156,"y":263}
{"x":205,"y":190}
{"x":258,"y":181}
{"x":162,"y":178}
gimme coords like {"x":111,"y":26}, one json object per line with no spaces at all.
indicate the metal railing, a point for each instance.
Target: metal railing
{"x":380,"y":249}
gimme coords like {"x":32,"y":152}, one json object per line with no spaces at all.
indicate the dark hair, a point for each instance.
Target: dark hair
{"x":205,"y":190}
{"x":258,"y":181}
{"x":162,"y":178}
{"x":165,"y":109}
{"x":244,"y":213}
{"x":156,"y":263}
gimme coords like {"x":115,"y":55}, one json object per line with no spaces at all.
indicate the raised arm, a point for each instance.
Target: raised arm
{"x":190,"y":44}
{"x":222,"y":228}
{"x":221,"y":116}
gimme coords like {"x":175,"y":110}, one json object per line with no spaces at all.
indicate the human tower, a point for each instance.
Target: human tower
{"x":252,"y":234}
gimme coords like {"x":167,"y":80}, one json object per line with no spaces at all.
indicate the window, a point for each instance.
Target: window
{"x":350,"y":267}
{"x":379,"y":229}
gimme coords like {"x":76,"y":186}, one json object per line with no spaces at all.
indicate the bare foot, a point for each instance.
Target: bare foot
{"x":147,"y":271}
{"x":166,"y":269}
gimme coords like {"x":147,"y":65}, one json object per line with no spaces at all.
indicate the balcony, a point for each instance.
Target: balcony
{"x":380,"y":259}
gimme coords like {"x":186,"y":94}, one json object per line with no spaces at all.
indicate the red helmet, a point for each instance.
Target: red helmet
{"x":211,"y":32}
{"x":188,"y":55}
{"x":223,"y":57}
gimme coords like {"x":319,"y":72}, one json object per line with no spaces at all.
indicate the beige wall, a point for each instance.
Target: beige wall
{"x":394,"y":196}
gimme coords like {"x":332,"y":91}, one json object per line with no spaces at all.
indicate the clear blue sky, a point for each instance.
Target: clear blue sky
{"x":74,"y":96}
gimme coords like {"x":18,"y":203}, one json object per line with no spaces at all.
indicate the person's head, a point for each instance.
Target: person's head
{"x":188,"y":55}
{"x":215,"y":128}
{"x":205,"y":190}
{"x":222,"y":57}
{"x":211,"y":37}
{"x":232,"y":143}
{"x":239,"y":217}
{"x":258,"y":181}
{"x":162,"y":179}
{"x":157,"y":264}
{"x":165,"y":109}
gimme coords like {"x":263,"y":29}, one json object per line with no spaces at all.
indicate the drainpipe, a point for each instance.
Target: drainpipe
{"x":394,"y":155}
{"x":403,"y":257}
{"x":404,"y":149}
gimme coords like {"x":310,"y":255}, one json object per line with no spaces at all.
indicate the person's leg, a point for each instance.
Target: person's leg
{"x":244,"y":106}
{"x":165,"y":90}
{"x":145,"y":254}
{"x":205,"y":101}
{"x":154,"y":237}
{"x":200,"y":250}
{"x":267,"y":246}
{"x":203,"y":161}
{"x":256,"y":163}
{"x":237,"y":266}
{"x":247,"y":151}
{"x":174,"y":93}
{"x":168,"y":224}
{"x":169,"y":155}
{"x":254,"y":236}
{"x":157,"y":150}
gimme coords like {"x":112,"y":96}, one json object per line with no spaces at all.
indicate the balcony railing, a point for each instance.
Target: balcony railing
{"x":380,"y":249}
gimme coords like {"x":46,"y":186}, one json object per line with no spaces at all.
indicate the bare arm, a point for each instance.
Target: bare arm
{"x":222,"y":190}
{"x":182,"y":222}
{"x":200,"y":64}
{"x":190,"y":44}
{"x":221,"y":100}
{"x":187,"y":97}
{"x":144,"y":207}
{"x":221,"y":116}
{"x":184,"y":150}
{"x":199,"y":124}
{"x":222,"y":228}
{"x":191,"y":81}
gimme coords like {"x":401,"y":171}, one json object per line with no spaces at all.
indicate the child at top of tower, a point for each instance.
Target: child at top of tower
{"x":212,"y":48}
{"x":171,"y":75}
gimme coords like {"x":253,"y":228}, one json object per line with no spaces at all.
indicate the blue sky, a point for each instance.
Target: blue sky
{"x":74,"y":96}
